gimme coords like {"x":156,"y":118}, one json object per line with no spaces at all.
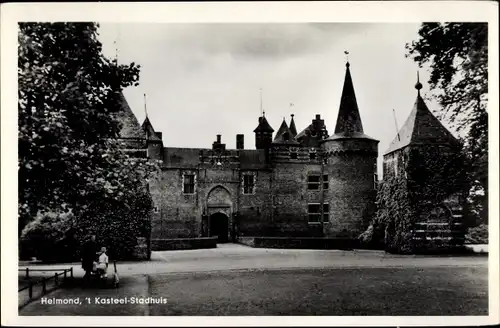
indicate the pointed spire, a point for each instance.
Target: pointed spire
{"x":348,"y":120}
{"x":421,"y":127}
{"x":349,"y":124}
{"x":284,"y":136}
{"x":145,"y":106}
{"x":283,"y":128}
{"x":293,"y":129}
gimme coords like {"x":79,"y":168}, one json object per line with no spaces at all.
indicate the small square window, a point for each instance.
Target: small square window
{"x":312,"y":156}
{"x":293,"y":155}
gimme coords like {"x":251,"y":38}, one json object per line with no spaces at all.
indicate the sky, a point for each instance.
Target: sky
{"x":204,"y":79}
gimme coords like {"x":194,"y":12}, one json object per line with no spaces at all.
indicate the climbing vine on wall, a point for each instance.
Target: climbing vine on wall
{"x":428,"y":176}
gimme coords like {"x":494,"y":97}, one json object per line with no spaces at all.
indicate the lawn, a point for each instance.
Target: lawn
{"x":365,"y":291}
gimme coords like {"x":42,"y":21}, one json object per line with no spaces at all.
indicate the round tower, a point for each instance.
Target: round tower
{"x":351,"y":166}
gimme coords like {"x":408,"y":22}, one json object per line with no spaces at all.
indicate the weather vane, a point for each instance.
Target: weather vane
{"x":346,"y":55}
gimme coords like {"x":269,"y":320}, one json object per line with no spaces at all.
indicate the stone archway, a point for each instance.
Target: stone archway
{"x":219,"y":227}
{"x":219,"y":213}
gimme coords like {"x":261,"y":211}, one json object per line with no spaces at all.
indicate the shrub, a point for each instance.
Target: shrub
{"x":49,"y":238}
{"x":118,"y":225}
{"x":477,"y":235}
{"x":57,"y":237}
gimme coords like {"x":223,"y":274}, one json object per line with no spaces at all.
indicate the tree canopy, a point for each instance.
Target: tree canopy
{"x":457,"y":55}
{"x":69,"y":155}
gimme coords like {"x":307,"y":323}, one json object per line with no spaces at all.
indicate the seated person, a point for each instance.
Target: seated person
{"x":102,"y":265}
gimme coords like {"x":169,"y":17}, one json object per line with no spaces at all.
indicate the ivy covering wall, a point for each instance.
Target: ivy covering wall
{"x":427,"y":177}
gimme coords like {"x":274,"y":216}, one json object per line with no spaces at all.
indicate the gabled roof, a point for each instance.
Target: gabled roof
{"x":263,"y":125}
{"x":348,"y":120}
{"x":303,"y":132}
{"x":421,"y":127}
{"x":293,"y":129}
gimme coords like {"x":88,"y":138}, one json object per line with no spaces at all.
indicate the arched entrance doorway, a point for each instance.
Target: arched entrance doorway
{"x":219,"y":226}
{"x":219,"y":214}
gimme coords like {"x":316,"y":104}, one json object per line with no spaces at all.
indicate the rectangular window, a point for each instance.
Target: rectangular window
{"x":326,"y":212}
{"x":325,"y":181}
{"x":189,"y":181}
{"x":314,"y":213}
{"x":248,"y":184}
{"x":293,"y":155}
{"x":312,"y":156}
{"x":313,"y":182}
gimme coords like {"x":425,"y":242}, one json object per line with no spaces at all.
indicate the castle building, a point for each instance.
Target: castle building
{"x":305,"y":184}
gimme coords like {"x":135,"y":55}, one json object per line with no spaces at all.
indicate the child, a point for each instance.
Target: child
{"x":102,"y":265}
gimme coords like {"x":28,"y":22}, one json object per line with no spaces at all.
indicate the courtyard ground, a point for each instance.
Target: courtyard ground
{"x":238,"y":280}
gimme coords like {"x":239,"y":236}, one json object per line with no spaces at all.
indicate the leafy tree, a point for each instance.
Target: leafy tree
{"x":457,"y":54}
{"x":69,"y":157}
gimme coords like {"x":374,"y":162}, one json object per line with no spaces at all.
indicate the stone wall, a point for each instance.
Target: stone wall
{"x":277,"y":207}
{"x":351,"y":168}
{"x":183,"y":243}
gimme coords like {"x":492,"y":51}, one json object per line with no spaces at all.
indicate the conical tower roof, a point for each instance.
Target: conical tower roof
{"x":293,"y":129}
{"x":263,"y":125}
{"x":348,"y":120}
{"x":284,"y":135}
{"x":421,"y":127}
{"x":283,"y":128}
{"x":130,"y":125}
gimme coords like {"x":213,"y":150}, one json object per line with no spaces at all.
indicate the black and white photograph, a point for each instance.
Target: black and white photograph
{"x":306,"y":167}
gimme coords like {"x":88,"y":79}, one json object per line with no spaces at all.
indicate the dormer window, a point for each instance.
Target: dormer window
{"x":293,"y":153}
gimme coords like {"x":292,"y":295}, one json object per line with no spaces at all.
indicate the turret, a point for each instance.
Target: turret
{"x":351,"y":168}
{"x":263,"y":134}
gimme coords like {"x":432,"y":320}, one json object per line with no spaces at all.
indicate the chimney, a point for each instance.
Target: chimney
{"x":318,"y":116}
{"x":240,"y":141}
{"x":218,"y":138}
